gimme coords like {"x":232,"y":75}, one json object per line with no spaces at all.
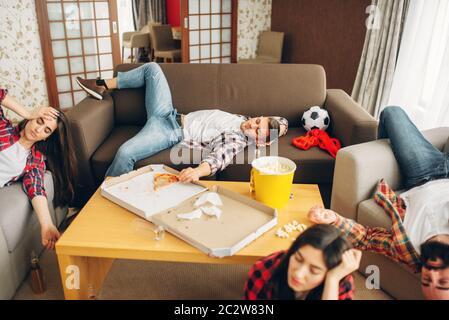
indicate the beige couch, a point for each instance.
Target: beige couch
{"x":358,"y":169}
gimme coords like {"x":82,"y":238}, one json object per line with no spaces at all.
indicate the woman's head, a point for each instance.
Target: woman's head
{"x":52,"y":137}
{"x":311,"y":256}
{"x":39,"y":129}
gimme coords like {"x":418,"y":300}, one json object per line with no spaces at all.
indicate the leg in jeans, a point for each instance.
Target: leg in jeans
{"x":418,"y":159}
{"x":161,"y":130}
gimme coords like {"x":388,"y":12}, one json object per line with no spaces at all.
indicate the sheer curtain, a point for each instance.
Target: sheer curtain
{"x":421,"y":80}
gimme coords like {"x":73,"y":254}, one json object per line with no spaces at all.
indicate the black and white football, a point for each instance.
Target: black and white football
{"x":315,"y":118}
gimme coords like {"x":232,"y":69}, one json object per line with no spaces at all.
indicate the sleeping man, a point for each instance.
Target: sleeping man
{"x":220,"y":133}
{"x":419,"y":236}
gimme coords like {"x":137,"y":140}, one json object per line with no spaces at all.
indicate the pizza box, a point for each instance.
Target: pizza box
{"x":242,"y":219}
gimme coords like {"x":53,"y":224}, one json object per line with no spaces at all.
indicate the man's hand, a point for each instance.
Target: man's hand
{"x":48,"y":113}
{"x":49,"y":235}
{"x":350,"y":262}
{"x":189,"y":175}
{"x":320,"y":215}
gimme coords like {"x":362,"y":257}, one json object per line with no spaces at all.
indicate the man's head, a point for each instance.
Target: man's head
{"x":259,"y":128}
{"x":435,"y":268}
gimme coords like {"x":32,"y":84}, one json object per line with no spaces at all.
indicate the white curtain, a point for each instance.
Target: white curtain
{"x":421,"y":80}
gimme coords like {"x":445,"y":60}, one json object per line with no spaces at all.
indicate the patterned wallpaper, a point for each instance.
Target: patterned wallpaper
{"x":21,"y":67}
{"x":254,"y":16}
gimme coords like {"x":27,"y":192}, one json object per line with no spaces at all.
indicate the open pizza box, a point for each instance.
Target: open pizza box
{"x":242,"y":219}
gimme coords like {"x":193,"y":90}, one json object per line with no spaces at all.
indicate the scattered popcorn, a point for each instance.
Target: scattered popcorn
{"x":284,"y":232}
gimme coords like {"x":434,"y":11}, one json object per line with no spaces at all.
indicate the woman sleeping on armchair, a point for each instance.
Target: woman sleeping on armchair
{"x":43,"y":136}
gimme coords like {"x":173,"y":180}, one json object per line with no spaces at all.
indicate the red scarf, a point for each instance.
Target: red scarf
{"x":318,"y":137}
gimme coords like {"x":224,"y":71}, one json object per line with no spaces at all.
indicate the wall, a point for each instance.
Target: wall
{"x":254,"y":16}
{"x":174,"y":12}
{"x":326,"y":32}
{"x":21,"y":67}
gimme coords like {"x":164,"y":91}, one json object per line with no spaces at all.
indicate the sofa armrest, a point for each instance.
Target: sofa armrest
{"x":91,"y":122}
{"x":359,"y":168}
{"x":350,"y":123}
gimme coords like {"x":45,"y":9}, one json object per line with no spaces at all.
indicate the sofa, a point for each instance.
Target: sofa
{"x":357,"y":171}
{"x":99,"y":127}
{"x":20,"y":234}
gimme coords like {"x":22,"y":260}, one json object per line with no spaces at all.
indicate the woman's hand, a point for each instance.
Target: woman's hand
{"x":350,"y":262}
{"x":49,"y":235}
{"x":189,"y":175}
{"x":48,"y":113}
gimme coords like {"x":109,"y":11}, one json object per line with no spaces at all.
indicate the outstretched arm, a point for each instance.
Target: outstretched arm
{"x":49,"y":233}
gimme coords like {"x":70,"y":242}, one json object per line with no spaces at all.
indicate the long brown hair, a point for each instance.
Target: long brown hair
{"x":326,"y":238}
{"x":60,"y":158}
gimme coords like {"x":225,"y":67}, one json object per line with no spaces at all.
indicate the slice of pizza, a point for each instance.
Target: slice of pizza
{"x":162,"y":180}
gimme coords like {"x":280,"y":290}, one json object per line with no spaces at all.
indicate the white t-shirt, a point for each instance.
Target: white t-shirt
{"x":12,"y":162}
{"x":427,"y":213}
{"x":205,"y":125}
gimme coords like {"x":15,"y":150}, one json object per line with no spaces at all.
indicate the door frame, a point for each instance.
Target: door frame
{"x":185,"y":31}
{"x":47,"y":51}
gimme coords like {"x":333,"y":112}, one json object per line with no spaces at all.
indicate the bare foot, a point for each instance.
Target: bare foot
{"x":320,"y":215}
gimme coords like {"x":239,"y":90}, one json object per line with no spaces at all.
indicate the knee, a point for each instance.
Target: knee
{"x":391,"y":112}
{"x":124,"y":153}
{"x":151,"y":68}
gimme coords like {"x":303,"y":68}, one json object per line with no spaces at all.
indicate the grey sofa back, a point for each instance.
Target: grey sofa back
{"x":253,"y":90}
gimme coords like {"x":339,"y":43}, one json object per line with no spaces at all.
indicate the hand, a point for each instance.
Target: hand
{"x":189,"y":175}
{"x":318,"y":214}
{"x":350,"y":262}
{"x":49,"y":235}
{"x":48,"y":113}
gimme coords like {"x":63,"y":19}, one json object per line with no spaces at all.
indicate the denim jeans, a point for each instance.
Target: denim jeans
{"x":418,"y":159}
{"x":161,"y":130}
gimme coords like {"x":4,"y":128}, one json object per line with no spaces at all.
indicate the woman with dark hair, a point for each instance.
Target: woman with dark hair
{"x":44,"y":135}
{"x":317,"y":266}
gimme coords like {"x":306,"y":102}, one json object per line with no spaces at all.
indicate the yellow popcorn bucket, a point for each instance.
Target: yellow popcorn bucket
{"x":271,"y":180}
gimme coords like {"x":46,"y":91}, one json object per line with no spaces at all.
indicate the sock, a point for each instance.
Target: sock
{"x":101,"y":82}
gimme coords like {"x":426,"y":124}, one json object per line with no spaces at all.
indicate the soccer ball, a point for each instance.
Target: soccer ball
{"x":315,"y":118}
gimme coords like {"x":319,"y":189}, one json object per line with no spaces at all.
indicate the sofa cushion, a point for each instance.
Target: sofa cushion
{"x":314,"y":165}
{"x":17,"y":215}
{"x":103,"y":157}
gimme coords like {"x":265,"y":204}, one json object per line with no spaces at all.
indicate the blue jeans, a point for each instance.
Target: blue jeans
{"x":418,"y":159}
{"x":161,"y":130}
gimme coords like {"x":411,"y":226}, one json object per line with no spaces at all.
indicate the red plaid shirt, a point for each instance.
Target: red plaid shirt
{"x":258,"y":287}
{"x":394,"y":242}
{"x":33,"y":174}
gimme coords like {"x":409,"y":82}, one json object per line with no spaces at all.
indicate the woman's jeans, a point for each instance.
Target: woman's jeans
{"x":418,"y":159}
{"x":161,"y":130}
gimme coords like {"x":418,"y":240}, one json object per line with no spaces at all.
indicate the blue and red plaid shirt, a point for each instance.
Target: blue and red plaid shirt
{"x":33,"y":173}
{"x":258,"y":286}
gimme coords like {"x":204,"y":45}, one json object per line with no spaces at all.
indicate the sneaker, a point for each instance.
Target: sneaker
{"x":91,"y":87}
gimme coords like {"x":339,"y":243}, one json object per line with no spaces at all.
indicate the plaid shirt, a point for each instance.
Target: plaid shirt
{"x":221,"y":150}
{"x":258,"y":287}
{"x":394,"y":242}
{"x":33,"y":174}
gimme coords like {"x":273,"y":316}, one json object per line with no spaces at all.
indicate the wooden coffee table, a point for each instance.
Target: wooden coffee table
{"x":104,"y":231}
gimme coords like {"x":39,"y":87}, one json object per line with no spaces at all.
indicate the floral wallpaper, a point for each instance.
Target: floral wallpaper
{"x":254,"y":17}
{"x":21,"y":64}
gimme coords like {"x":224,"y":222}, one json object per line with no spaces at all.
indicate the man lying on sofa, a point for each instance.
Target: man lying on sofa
{"x":419,"y":236}
{"x":223,"y":134}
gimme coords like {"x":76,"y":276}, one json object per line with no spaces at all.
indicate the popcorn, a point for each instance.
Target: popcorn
{"x":285,"y":231}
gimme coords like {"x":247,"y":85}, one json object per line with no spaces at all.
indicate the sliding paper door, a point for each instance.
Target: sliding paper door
{"x":79,"y":38}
